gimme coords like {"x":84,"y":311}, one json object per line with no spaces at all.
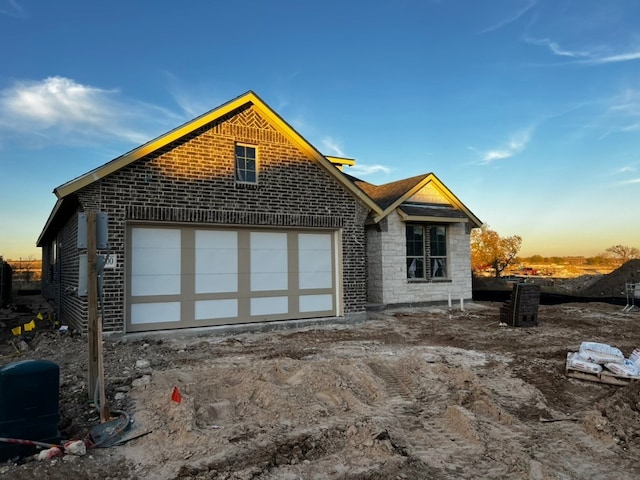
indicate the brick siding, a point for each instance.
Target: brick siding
{"x":192,"y":181}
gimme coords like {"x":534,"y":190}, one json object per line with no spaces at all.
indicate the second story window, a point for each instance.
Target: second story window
{"x":246,"y":165}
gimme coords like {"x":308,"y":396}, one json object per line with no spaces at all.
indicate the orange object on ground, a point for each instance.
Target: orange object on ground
{"x":175,"y":395}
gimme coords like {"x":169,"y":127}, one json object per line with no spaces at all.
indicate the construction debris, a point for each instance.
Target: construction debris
{"x":522,"y":309}
{"x":600,"y":362}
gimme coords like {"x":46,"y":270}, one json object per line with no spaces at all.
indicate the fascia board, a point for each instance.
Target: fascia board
{"x":52,"y":216}
{"x":429,"y":218}
{"x":341,"y":161}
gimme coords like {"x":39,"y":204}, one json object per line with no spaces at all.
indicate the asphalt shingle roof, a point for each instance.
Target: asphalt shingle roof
{"x":385,"y":195}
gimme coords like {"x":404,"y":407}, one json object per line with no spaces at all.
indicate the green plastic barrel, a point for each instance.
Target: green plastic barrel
{"x":29,"y":405}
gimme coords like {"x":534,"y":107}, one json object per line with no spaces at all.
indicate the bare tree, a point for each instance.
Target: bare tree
{"x":28,"y":269}
{"x":489,"y":249}
{"x":624,"y":253}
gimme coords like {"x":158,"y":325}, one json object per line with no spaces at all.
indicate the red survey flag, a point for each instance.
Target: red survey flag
{"x":175,"y":395}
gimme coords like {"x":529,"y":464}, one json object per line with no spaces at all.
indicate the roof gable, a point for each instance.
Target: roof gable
{"x":423,"y":196}
{"x":387,"y":194}
{"x":66,"y":192}
{"x":429,"y":193}
{"x":249,"y":98}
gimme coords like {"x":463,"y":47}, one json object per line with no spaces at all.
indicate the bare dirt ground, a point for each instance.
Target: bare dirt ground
{"x":421,"y":393}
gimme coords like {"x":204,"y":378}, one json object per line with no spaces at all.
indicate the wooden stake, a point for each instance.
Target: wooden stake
{"x":94,"y":321}
{"x":105,"y":415}
{"x":92,"y":302}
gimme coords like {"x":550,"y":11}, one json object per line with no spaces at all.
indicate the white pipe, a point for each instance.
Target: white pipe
{"x":461,"y":304}
{"x":449,"y":299}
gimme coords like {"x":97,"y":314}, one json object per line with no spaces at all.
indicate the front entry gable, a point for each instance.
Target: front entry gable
{"x":425,"y":192}
{"x":429,"y":193}
{"x":433,"y":202}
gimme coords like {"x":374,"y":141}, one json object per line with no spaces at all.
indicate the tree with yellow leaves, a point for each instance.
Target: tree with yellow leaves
{"x":489,"y":249}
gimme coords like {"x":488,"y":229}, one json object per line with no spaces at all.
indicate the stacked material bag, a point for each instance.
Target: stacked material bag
{"x":595,"y":357}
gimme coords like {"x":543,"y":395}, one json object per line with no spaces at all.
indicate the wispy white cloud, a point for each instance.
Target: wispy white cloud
{"x":626,"y":169}
{"x":194,"y":100}
{"x":556,"y":49}
{"x":511,"y":17}
{"x":332,"y":147}
{"x":66,"y":112}
{"x":516,"y":144}
{"x":623,"y":175}
{"x":631,"y":128}
{"x":621,"y":57}
{"x":191,"y":106}
{"x":632,"y":181}
{"x":621,"y":113}
{"x":595,"y":56}
{"x":363,"y":170}
{"x":627,"y":102}
{"x":12,"y":8}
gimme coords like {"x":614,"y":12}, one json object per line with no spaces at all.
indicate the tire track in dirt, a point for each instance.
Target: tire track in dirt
{"x":416,"y":425}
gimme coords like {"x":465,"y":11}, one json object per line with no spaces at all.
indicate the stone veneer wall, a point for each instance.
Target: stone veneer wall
{"x":388,"y":283}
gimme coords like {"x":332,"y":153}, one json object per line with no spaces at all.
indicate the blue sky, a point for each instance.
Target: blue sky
{"x":529,"y":111}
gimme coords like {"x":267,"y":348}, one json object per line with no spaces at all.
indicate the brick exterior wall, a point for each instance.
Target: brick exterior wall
{"x":388,"y":283}
{"x":192,"y":181}
{"x":61,"y":286}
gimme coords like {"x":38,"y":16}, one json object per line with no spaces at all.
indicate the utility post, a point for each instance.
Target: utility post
{"x":94,"y":321}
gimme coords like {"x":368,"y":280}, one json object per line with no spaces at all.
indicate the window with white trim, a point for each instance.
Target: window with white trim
{"x":426,"y":252}
{"x":246,"y":164}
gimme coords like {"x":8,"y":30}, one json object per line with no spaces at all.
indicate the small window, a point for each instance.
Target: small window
{"x":426,"y":252}
{"x":438,"y":251}
{"x":246,"y":167}
{"x":415,"y":252}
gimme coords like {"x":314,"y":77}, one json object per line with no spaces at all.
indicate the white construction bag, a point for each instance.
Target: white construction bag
{"x":600,"y":353}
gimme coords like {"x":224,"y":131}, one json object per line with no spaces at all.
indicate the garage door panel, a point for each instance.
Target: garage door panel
{"x":155,"y":266}
{"x":216,"y":258}
{"x":145,"y":285}
{"x":315,"y":279}
{"x":315,"y":261}
{"x":316,"y":303}
{"x":161,"y":312}
{"x":215,"y":309}
{"x":269,"y":306}
{"x":269,"y":261}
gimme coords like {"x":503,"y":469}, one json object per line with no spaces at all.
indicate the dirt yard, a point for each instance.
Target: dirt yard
{"x":422,"y":393}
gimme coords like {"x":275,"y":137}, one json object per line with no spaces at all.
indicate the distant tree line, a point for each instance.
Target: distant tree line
{"x":490,"y":251}
{"x":25,"y":269}
{"x":624,"y":253}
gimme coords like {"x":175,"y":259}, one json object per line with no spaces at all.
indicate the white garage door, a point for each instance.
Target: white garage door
{"x":181,"y":277}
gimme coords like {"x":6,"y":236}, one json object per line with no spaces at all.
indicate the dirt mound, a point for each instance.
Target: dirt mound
{"x":613,"y":284}
{"x":417,"y":393}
